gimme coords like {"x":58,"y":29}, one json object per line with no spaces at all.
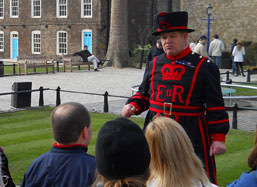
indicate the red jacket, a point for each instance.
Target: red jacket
{"x":186,"y":88}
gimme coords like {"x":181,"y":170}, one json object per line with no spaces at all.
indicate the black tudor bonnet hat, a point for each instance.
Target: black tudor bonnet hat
{"x":121,"y":150}
{"x":170,"y":22}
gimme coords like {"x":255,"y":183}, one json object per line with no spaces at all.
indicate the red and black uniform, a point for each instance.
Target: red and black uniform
{"x":187,"y":88}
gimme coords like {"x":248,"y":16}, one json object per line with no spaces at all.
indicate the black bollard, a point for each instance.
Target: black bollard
{"x":57,"y":66}
{"x":106,"y":107}
{"x":234,"y":120}
{"x":227,"y":77}
{"x":13,"y":69}
{"x":58,"y":97}
{"x":229,"y":81}
{"x":41,"y":96}
{"x":248,"y":78}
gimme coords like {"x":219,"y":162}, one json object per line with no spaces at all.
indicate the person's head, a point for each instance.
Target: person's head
{"x":71,"y":124}
{"x":203,"y":39}
{"x":252,"y":159}
{"x":234,"y":40}
{"x":122,"y":154}
{"x":215,"y":36}
{"x":173,"y":161}
{"x":239,"y":45}
{"x":172,"y":27}
{"x":159,"y":44}
{"x":86,"y":47}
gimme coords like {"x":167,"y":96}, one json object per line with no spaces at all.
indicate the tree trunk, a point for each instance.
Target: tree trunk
{"x":118,"y":50}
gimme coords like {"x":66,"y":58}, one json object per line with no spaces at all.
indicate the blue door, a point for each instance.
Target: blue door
{"x":88,"y":40}
{"x":15,"y":45}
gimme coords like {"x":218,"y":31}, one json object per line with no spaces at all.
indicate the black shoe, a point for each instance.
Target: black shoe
{"x":96,"y":70}
{"x":243,"y":75}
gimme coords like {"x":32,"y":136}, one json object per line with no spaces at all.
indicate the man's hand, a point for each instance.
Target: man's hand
{"x":128,"y":110}
{"x":217,"y":148}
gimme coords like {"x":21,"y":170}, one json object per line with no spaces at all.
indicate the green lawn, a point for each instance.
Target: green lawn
{"x":26,"y":134}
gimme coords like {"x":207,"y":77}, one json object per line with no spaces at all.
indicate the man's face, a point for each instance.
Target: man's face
{"x":173,"y":42}
{"x":204,"y":41}
{"x":86,"y":48}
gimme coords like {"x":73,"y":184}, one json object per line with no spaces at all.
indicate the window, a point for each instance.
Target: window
{"x":14,"y":8}
{"x":62,"y":8}
{"x":1,"y":41}
{"x":1,"y":8}
{"x":36,"y":42}
{"x":61,"y":42}
{"x":36,"y":8}
{"x":86,"y":8}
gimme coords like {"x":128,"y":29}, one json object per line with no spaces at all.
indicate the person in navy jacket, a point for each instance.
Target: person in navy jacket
{"x":67,"y":163}
{"x":183,"y":85}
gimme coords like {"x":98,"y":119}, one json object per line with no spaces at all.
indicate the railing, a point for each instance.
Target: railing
{"x":58,"y":97}
{"x":41,"y":90}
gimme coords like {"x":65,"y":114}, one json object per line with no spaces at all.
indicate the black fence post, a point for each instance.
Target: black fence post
{"x":58,"y":97}
{"x":248,"y":78}
{"x":106,"y":107}
{"x":41,"y":96}
{"x":234,"y":120}
{"x":227,"y":77}
{"x":13,"y":69}
{"x":57,"y":66}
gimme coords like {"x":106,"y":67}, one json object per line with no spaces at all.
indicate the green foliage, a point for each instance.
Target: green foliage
{"x":137,"y":52}
{"x":27,"y":134}
{"x":251,"y":52}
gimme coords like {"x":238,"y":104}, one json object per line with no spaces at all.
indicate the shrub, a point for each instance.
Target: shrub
{"x":136,"y":53}
{"x":251,"y":52}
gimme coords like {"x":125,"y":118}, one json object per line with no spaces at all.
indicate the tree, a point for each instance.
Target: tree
{"x":118,"y":48}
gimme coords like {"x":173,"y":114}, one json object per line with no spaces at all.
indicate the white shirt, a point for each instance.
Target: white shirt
{"x":238,"y":55}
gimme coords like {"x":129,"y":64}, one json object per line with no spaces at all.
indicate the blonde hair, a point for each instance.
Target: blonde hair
{"x":134,"y":181}
{"x":252,"y":159}
{"x":173,"y":161}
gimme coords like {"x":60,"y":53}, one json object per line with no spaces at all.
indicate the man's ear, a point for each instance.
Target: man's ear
{"x":84,"y":132}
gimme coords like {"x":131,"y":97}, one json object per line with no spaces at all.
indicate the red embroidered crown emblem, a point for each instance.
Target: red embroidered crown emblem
{"x":172,"y":71}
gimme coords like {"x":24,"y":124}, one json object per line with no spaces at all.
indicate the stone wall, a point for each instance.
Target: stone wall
{"x":233,"y":19}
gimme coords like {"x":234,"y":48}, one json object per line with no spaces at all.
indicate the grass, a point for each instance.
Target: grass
{"x":27,"y":134}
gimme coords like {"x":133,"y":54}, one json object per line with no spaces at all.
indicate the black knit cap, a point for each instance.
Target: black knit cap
{"x":170,"y":22}
{"x":121,"y":150}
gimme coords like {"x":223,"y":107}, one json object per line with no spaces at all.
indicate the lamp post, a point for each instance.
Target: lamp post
{"x":208,"y":12}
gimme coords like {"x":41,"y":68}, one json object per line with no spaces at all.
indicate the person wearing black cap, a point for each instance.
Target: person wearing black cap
{"x":155,"y":51}
{"x":122,"y":154}
{"x":200,"y":47}
{"x":183,"y":85}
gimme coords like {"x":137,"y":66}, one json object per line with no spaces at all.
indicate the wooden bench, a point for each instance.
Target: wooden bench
{"x":70,"y":60}
{"x":34,"y":62}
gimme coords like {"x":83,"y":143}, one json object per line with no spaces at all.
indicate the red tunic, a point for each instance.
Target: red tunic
{"x":186,"y":88}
